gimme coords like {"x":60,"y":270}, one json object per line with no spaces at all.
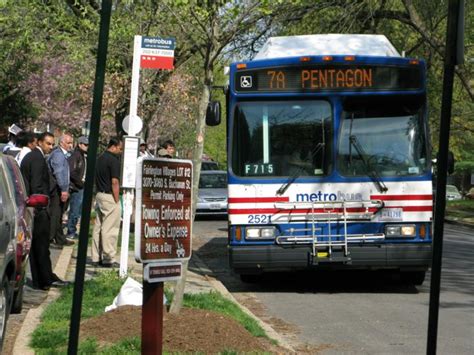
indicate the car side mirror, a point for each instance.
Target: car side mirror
{"x":213,"y":113}
{"x":37,"y":200}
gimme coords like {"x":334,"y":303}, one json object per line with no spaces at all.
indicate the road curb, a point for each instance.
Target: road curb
{"x":219,"y":287}
{"x":459,"y":223}
{"x":33,"y":317}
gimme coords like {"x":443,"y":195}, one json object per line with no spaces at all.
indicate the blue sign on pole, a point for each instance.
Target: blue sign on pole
{"x":159,"y":42}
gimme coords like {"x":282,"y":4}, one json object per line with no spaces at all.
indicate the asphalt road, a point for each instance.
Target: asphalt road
{"x":356,"y":312}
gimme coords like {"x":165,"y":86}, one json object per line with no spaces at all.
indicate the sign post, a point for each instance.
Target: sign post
{"x":163,"y":222}
{"x":148,"y":53}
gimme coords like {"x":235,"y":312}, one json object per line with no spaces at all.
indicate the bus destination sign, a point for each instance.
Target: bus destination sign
{"x":163,"y":212}
{"x":329,"y":78}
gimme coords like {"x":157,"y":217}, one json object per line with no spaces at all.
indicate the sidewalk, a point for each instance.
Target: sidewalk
{"x":198,"y":280}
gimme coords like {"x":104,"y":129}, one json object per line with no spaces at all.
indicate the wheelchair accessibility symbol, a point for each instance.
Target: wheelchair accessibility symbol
{"x":245,"y":81}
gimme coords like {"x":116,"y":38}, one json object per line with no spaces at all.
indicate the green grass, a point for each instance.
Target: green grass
{"x":51,"y":336}
{"x":460,"y":209}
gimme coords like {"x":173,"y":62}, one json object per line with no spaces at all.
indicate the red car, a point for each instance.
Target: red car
{"x":16,"y":224}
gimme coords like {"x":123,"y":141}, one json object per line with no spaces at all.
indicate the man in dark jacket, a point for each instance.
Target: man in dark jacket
{"x":37,"y":181}
{"x":77,"y":170}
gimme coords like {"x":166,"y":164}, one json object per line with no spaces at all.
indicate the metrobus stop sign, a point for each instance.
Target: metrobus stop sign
{"x":163,"y":210}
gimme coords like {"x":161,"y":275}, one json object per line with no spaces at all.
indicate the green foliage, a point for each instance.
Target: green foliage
{"x":460,"y":209}
{"x":126,"y":346}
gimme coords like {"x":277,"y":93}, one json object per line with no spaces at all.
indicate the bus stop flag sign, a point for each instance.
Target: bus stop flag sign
{"x":157,"y":53}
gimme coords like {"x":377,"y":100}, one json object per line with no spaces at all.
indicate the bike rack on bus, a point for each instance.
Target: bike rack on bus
{"x":330,"y":247}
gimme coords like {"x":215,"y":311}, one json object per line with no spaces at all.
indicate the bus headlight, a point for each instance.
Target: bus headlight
{"x":260,"y":233}
{"x":395,"y":231}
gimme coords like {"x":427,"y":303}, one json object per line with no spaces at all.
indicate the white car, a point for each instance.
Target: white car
{"x":212,"y":196}
{"x":452,"y":193}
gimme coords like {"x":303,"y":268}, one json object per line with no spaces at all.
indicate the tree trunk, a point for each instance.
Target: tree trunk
{"x":197,"y":154}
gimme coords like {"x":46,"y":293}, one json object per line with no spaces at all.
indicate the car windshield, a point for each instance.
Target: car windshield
{"x":209,"y":165}
{"x":452,"y":189}
{"x":213,"y":181}
{"x":284,"y":138}
{"x":390,"y":139}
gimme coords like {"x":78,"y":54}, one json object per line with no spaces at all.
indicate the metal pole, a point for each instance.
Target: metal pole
{"x":92,"y":153}
{"x":448,"y":80}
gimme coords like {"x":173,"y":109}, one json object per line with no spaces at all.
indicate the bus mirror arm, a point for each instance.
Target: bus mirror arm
{"x":372,"y":173}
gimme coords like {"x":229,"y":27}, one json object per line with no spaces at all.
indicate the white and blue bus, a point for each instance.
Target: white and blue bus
{"x":329,"y":158}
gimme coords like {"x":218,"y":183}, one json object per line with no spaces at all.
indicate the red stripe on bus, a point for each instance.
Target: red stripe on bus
{"x":257,"y":199}
{"x":401,"y":197}
{"x":320,"y":210}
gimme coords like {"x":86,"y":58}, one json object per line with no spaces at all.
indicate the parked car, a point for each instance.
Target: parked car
{"x":16,"y":224}
{"x":212,"y":194}
{"x":209,"y":165}
{"x":452,"y":193}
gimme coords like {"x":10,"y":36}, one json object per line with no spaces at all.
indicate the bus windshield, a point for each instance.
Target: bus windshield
{"x":388,"y":139}
{"x":282,"y":138}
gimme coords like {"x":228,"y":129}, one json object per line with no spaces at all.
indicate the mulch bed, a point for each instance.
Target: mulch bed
{"x":192,"y":330}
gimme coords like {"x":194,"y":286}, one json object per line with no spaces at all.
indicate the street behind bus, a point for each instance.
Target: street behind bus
{"x":355,"y":312}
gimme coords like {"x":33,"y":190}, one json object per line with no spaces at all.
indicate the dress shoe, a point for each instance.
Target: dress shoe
{"x":56,"y":246}
{"x":68,"y":242}
{"x":59,"y":283}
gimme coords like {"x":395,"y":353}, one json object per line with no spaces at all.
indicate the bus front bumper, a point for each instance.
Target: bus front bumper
{"x":262,"y":258}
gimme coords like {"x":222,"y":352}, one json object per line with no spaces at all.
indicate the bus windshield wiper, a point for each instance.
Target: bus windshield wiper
{"x":298,"y":172}
{"x":372,"y":173}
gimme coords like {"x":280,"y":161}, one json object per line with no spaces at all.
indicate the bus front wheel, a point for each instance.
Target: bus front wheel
{"x":413,"y":277}
{"x":250,"y":278}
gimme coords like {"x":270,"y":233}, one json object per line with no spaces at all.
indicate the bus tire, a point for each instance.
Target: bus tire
{"x":413,"y":277}
{"x":250,"y":278}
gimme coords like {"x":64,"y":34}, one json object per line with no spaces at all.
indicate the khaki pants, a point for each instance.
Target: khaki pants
{"x":106,"y":228}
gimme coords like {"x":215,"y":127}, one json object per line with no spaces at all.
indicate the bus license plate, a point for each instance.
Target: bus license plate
{"x":215,"y":206}
{"x":392,"y":214}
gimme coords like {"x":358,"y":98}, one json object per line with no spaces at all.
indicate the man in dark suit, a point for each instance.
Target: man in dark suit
{"x":37,"y":180}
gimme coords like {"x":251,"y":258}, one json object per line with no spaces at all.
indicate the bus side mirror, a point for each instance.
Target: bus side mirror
{"x":451,"y":162}
{"x":213,"y":113}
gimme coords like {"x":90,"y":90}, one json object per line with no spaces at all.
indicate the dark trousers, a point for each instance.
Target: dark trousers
{"x":75,"y":209}
{"x":40,"y":260}
{"x":57,"y":208}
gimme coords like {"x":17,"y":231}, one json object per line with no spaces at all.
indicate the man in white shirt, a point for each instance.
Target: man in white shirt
{"x":26,"y":141}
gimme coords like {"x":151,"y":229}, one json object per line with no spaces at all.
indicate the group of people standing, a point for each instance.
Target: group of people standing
{"x":59,"y":172}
